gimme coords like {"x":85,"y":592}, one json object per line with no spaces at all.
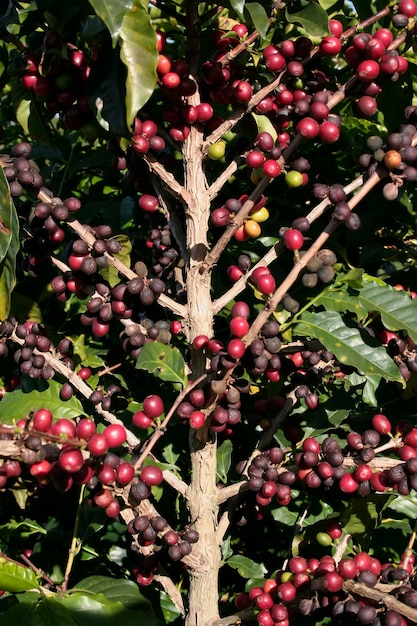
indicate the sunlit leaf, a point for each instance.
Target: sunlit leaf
{"x":6,"y":211}
{"x":258,"y":16}
{"x":397,"y":308}
{"x":348,"y":345}
{"x":139,"y":54}
{"x":165,"y":362}
{"x":112,"y":12}
{"x":312,"y":17}
{"x":32,"y":395}
{"x":11,"y":242}
{"x":16,"y":578}
{"x":224,"y":459}
{"x":246,"y":567}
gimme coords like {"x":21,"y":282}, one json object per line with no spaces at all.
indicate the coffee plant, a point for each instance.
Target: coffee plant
{"x":208,"y":313}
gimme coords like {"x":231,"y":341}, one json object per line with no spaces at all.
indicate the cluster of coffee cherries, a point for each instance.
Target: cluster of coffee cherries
{"x":57,"y":74}
{"x":398,"y":155}
{"x":32,"y":360}
{"x":349,"y":471}
{"x":400,"y":347}
{"x":20,"y":170}
{"x":320,"y":587}
{"x":223,"y":215}
{"x":47,"y":225}
{"x":156,"y":531}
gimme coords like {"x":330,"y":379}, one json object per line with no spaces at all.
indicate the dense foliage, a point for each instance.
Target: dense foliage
{"x":208,"y":313}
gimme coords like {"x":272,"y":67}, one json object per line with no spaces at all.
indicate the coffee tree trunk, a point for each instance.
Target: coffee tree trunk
{"x":203,"y":594}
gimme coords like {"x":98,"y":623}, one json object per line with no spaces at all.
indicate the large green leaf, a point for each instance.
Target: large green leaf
{"x":95,"y":609}
{"x":139,"y":54}
{"x":341,"y":300}
{"x":112,"y":12}
{"x":238,"y":6}
{"x":165,"y":362}
{"x":120,"y":590}
{"x":348,"y":345}
{"x":107,"y":82}
{"x":312,"y":17}
{"x":11,"y":240}
{"x":258,"y":16}
{"x":32,"y":395}
{"x":224,"y":459}
{"x":6,"y":210}
{"x":246,"y":567}
{"x":16,"y":578}
{"x":362,"y":517}
{"x":397,"y":309}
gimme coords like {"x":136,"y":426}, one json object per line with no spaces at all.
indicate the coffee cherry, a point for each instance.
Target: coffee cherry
{"x":294,"y":179}
{"x":408,"y":8}
{"x":42,"y":420}
{"x":153,"y":406}
{"x":348,"y":483}
{"x":293,"y":239}
{"x":367,"y":71}
{"x":115,"y":435}
{"x":217,"y":150}
{"x":308,"y":128}
{"x":151,"y":475}
{"x":381,"y":424}
{"x":330,"y":46}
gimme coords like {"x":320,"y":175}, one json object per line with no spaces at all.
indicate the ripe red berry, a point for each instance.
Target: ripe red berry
{"x":98,"y":444}
{"x":151,"y":475}
{"x":333,"y":582}
{"x":293,"y":239}
{"x":85,"y":429}
{"x":308,"y":127}
{"x":381,"y":424}
{"x":71,"y":460}
{"x":271,"y":168}
{"x":266,"y":284}
{"x":335,"y":27}
{"x":141,"y":420}
{"x":236,"y":349}
{"x":408,"y":8}
{"x":63,"y":428}
{"x":239,"y":326}
{"x":348,"y":483}
{"x":42,"y":420}
{"x":330,"y":46}
{"x":153,"y":406}
{"x":115,"y":435}
{"x":367,"y":71}
{"x":197,"y":419}
{"x":329,"y":132}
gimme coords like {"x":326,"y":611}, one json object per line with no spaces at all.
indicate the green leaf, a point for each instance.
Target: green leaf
{"x":348,"y":346}
{"x":6,"y":211}
{"x":264,"y":125}
{"x":258,"y":16}
{"x":313,"y":18}
{"x":112,"y":12}
{"x":139,"y":54}
{"x":121,"y":590}
{"x":165,"y":362}
{"x":11,"y":241}
{"x":95,"y":609}
{"x":169,"y":610}
{"x":397,"y":308}
{"x":224,"y":459}
{"x":110,"y":273}
{"x":34,"y":394}
{"x":16,"y":578}
{"x":405,"y":506}
{"x":238,"y":6}
{"x":25,"y":307}
{"x":246,"y":567}
{"x":340,"y":300}
{"x":107,"y":82}
{"x":362,"y":516}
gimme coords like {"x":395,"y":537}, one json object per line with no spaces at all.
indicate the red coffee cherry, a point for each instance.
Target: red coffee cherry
{"x":153,"y":406}
{"x":293,"y":239}
{"x":151,"y":475}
